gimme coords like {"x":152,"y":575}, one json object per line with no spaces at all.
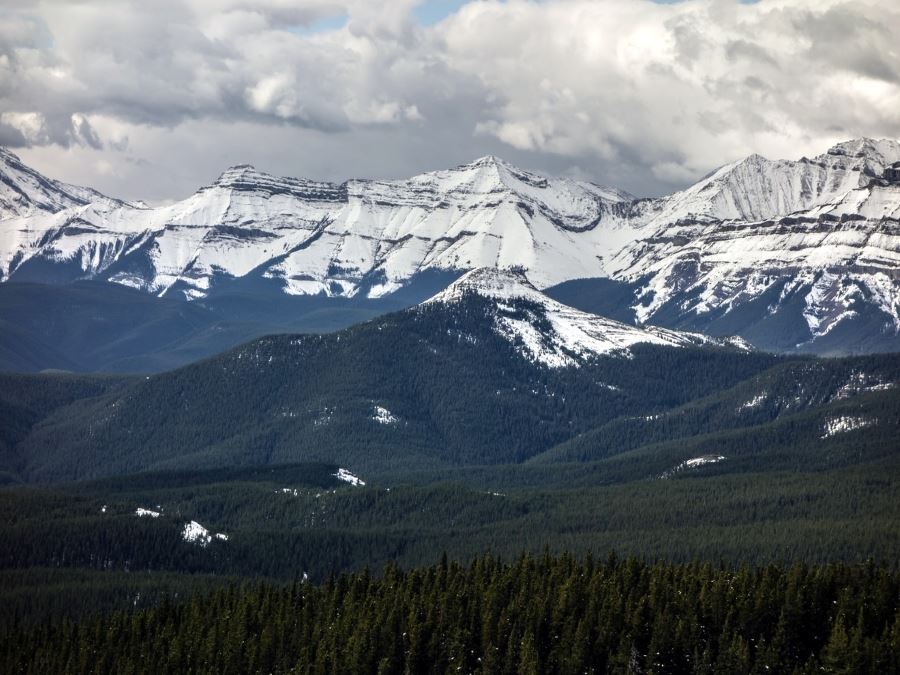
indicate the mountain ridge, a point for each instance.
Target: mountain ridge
{"x":24,"y":191}
{"x":552,"y":333}
{"x":820,"y":234}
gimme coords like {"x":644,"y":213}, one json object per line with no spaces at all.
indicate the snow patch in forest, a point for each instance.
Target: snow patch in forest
{"x":693,"y":464}
{"x":325,"y":417}
{"x":700,"y":461}
{"x":861,"y":383}
{"x":754,"y":402}
{"x":194,"y":533}
{"x":843,"y":424}
{"x":384,"y":416}
{"x":347,"y":477}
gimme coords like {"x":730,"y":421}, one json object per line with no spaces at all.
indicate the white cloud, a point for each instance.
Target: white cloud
{"x":648,"y":96}
{"x":31,"y":125}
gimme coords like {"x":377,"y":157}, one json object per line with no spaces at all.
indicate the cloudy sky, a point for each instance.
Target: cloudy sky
{"x":150,"y":100}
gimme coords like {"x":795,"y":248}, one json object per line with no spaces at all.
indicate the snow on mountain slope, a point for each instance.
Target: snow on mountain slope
{"x":24,"y":191}
{"x":321,"y":238}
{"x":819,"y":236}
{"x":549,"y":332}
{"x":756,"y":188}
{"x":230,"y":228}
{"x":486,"y":213}
{"x":371,"y":237}
{"x":836,"y":259}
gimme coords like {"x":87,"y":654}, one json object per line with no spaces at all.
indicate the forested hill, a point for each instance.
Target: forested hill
{"x":538,"y":615}
{"x":438,"y":387}
{"x":439,"y":429}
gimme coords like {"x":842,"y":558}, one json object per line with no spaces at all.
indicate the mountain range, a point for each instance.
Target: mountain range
{"x":790,"y":255}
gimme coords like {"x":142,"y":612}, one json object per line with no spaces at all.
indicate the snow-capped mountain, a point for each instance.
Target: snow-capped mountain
{"x":25,"y":192}
{"x":860,"y":234}
{"x":551,"y":333}
{"x":814,"y":240}
{"x":366,"y":237}
{"x":756,"y":188}
{"x":828,"y":266}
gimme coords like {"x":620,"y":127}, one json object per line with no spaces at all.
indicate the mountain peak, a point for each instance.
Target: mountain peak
{"x":25,"y":191}
{"x":881,"y":150}
{"x":491,"y":282}
{"x":755,"y":158}
{"x":240,"y":173}
{"x":489,"y":169}
{"x":487,"y":161}
{"x":549,"y":332}
{"x":492,"y":170}
{"x":247,"y":178}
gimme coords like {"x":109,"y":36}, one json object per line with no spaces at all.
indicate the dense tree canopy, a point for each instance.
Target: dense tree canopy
{"x":538,"y":615}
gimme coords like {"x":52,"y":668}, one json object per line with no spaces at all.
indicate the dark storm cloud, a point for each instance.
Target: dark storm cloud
{"x":848,"y":39}
{"x":12,"y":137}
